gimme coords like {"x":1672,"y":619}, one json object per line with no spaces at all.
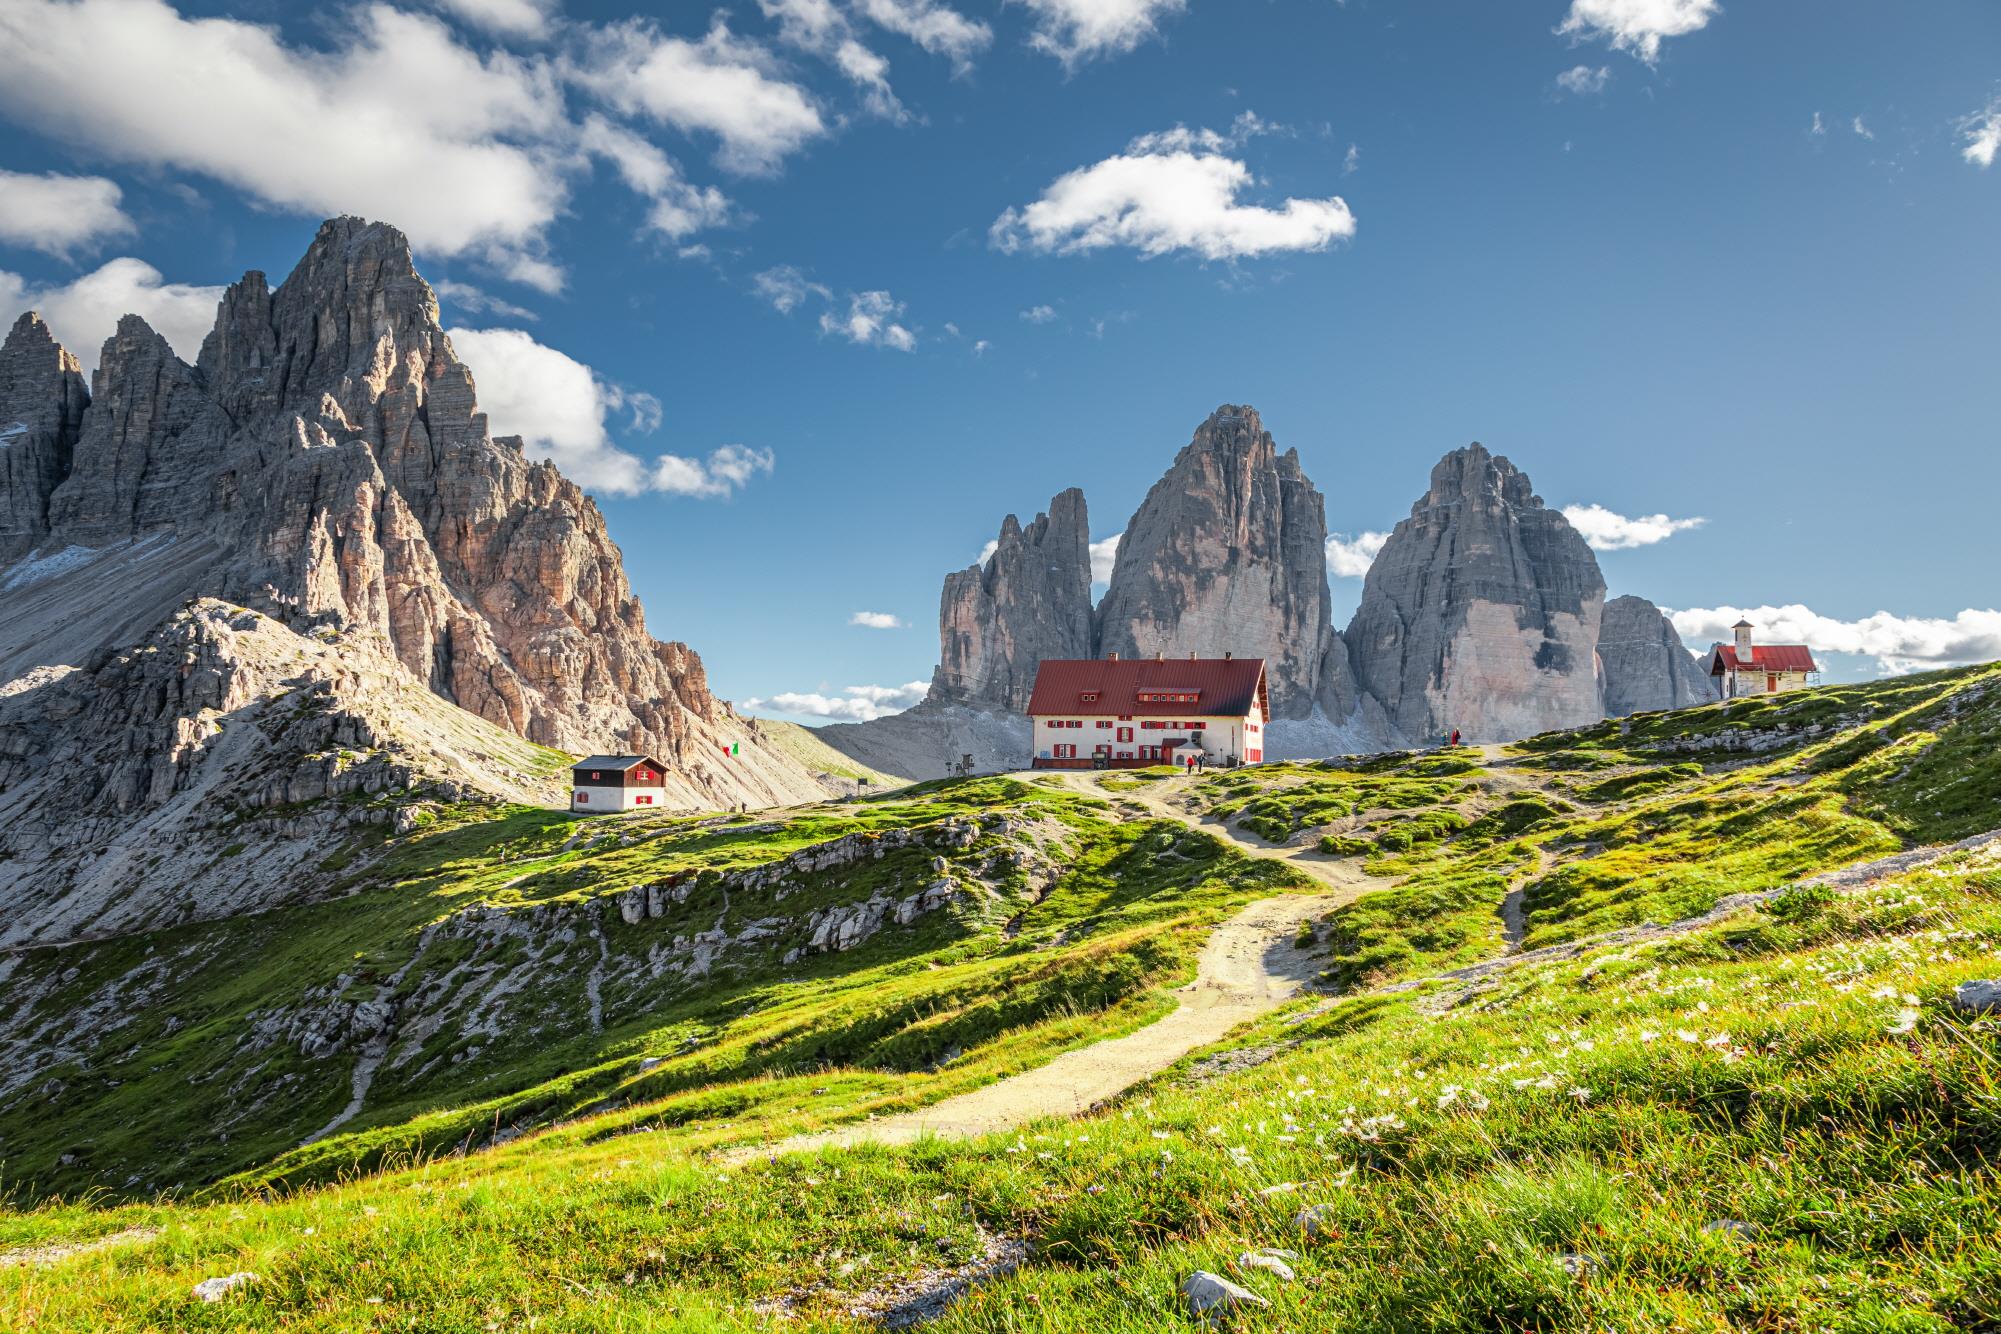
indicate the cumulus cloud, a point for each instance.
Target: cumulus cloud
{"x":83,"y":313}
{"x":1583,"y":80}
{"x":1982,"y":132}
{"x":1075,"y":31}
{"x":871,"y":321}
{"x":478,"y":301}
{"x":507,"y":18}
{"x":855,"y":704}
{"x":1350,"y":558}
{"x":727,"y":470}
{"x":821,"y":28}
{"x":1606,"y":531}
{"x":679,"y":207}
{"x":1039,"y":314}
{"x":720,"y":85}
{"x":1172,"y":190}
{"x":1104,"y":555}
{"x":1898,"y":643}
{"x":59,"y":214}
{"x":935,"y":28}
{"x":876,"y":620}
{"x":1638,"y":26}
{"x":560,"y":408}
{"x":468,"y":168}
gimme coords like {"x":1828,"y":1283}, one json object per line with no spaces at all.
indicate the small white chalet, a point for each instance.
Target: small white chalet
{"x":615,"y":783}
{"x":1743,"y":668}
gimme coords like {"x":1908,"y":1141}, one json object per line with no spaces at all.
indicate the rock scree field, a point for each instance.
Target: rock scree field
{"x":1681,"y":1021}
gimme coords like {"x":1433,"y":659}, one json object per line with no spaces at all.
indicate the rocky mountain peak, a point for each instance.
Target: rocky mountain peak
{"x":1482,"y":611}
{"x":1643,"y":662}
{"x":1227,"y":554}
{"x":1030,"y":600}
{"x":42,"y":401}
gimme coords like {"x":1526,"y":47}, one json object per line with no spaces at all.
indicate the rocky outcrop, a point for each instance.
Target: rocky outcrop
{"x":1028,"y":601}
{"x":1643,"y":662}
{"x":1482,"y":611}
{"x":326,"y":463}
{"x":1227,"y":554}
{"x":42,"y":399}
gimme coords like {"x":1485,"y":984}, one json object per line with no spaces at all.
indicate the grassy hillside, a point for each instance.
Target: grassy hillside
{"x":1774,"y":1118}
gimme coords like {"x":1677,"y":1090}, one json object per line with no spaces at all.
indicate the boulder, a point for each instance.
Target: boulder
{"x":1213,"y":1297}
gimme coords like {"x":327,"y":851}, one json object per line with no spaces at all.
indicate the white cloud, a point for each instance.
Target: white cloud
{"x":819,"y":27}
{"x":720,"y":85}
{"x":871,"y":321}
{"x":1074,"y":31}
{"x":1352,"y":161}
{"x":468,"y":167}
{"x":1350,"y":559}
{"x":679,"y":207}
{"x":508,"y":18}
{"x":1607,"y":531}
{"x":987,"y":551}
{"x":935,"y":28}
{"x":478,"y":301}
{"x":1638,"y":26}
{"x":1898,"y":643}
{"x":83,"y":313}
{"x":559,"y":407}
{"x":1583,"y":80}
{"x":1104,"y":555}
{"x":1982,"y":132}
{"x":785,"y":288}
{"x":876,"y":620}
{"x":1169,"y":191}
{"x":727,"y":470}
{"x":855,"y":704}
{"x":1862,"y":129}
{"x":1039,"y":314}
{"x":59,"y":214}
{"x":980,"y":346}
{"x":1819,"y":125}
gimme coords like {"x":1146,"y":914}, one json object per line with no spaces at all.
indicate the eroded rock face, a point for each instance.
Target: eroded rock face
{"x":42,"y":398}
{"x":1643,"y":662}
{"x":1031,"y":600}
{"x":328,"y":452}
{"x":1482,"y":611}
{"x":1227,"y":554}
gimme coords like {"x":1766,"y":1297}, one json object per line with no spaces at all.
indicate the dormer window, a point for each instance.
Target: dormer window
{"x":1088,"y":697}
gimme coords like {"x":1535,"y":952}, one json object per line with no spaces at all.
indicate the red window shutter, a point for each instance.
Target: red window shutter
{"x":583,"y":798}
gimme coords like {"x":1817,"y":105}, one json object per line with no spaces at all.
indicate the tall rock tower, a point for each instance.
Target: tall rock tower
{"x":1643,"y":663}
{"x":42,"y":399}
{"x":1227,"y":554}
{"x":1482,"y":611}
{"x":1030,"y":600}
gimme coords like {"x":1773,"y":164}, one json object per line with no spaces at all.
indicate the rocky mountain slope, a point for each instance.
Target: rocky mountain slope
{"x":324,"y":464}
{"x":1644,"y":664}
{"x":1481,"y":612}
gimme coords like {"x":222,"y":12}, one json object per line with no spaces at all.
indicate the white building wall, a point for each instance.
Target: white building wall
{"x":588,"y":799}
{"x":1222,"y":736}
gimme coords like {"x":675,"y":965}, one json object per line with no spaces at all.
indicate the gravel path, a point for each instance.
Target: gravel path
{"x":1250,"y":965}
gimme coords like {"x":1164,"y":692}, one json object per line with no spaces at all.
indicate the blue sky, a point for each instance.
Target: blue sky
{"x":872,"y":273}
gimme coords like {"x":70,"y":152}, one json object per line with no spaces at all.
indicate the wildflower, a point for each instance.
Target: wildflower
{"x":1581,"y":1094}
{"x":1648,"y":1035}
{"x":1907,"y":1019}
{"x":1687,"y":1036}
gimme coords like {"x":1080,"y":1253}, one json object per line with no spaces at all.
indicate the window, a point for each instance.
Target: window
{"x":583,"y":798}
{"x":642,"y":801}
{"x":1125,"y":734}
{"x":1149,"y":752}
{"x":1101,"y":750}
{"x":1064,"y":752}
{"x":595,"y":775}
{"x":1088,"y":697}
{"x":1102,"y":723}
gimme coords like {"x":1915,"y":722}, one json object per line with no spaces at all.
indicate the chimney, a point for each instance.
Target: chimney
{"x":1226,"y":655}
{"x":1191,"y":655}
{"x":1743,"y":629}
{"x":1160,"y":655}
{"x":1113,"y":656}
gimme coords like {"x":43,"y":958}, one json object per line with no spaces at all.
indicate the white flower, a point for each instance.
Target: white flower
{"x":1581,"y":1094}
{"x":1907,"y":1019}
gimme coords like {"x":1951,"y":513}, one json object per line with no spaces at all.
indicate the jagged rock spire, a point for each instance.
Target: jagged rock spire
{"x":42,"y":402}
{"x":1030,"y":600}
{"x":1482,"y":611}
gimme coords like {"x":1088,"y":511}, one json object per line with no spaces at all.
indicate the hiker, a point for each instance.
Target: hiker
{"x":1455,"y":736}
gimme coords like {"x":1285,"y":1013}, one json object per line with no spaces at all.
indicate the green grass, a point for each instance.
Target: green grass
{"x":1550,"y":1147}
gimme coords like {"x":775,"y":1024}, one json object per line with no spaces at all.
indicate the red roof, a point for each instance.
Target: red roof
{"x":1223,"y":687}
{"x":1764,"y":658}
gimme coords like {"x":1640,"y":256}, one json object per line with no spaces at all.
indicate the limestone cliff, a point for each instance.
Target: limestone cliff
{"x":1643,"y":662}
{"x":326,"y":462}
{"x":1227,"y":554}
{"x":42,"y":399}
{"x":1482,"y":611}
{"x":1030,"y":600}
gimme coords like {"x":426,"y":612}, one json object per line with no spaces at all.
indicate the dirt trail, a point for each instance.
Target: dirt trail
{"x":1251,"y":964}
{"x":56,"y":1251}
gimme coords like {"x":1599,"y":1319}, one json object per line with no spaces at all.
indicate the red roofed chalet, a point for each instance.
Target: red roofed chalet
{"x":1744,"y":668}
{"x":1113,"y":714}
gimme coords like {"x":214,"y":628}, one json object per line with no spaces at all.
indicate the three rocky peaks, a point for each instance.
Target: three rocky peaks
{"x":1485,"y":611}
